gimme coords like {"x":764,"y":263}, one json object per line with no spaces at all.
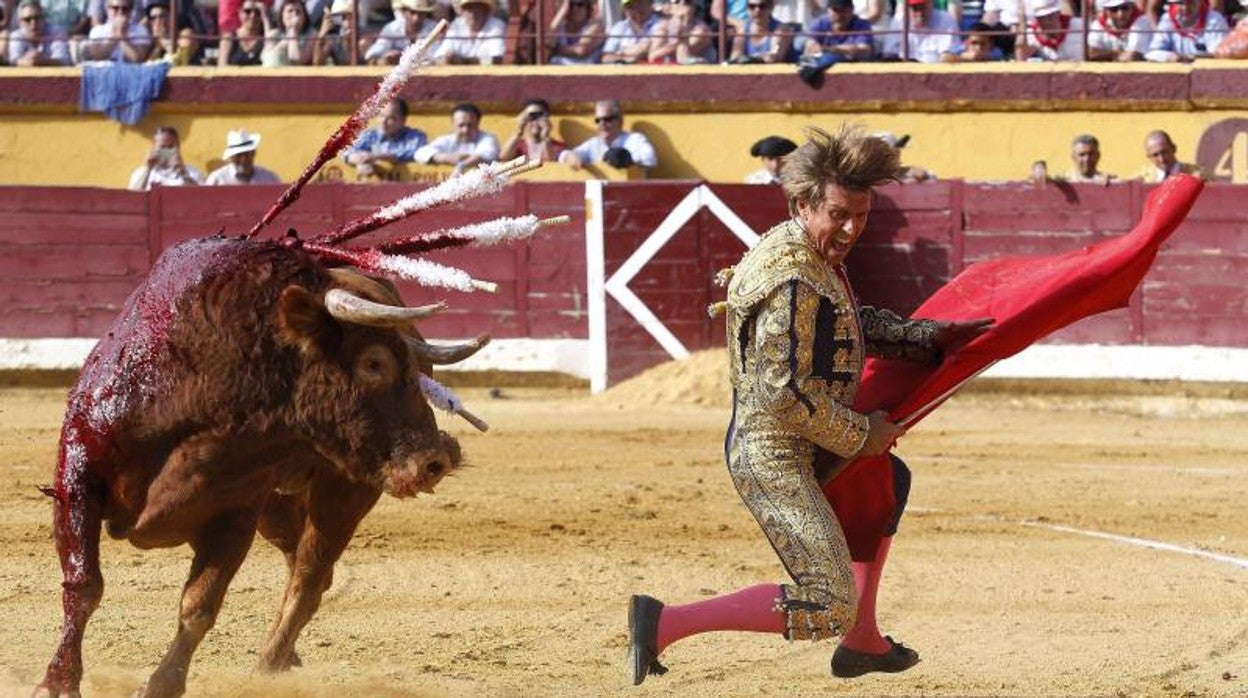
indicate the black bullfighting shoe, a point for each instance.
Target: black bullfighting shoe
{"x":643,"y":637}
{"x":847,"y":663}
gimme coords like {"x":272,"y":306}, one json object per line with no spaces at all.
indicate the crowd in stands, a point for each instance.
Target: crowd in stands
{"x":814,"y":33}
{"x":390,"y":143}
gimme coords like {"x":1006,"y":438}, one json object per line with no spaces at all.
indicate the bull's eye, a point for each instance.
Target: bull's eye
{"x":435,"y":468}
{"x":376,"y":367}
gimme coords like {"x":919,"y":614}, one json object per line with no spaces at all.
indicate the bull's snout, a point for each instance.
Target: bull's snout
{"x":423,"y":470}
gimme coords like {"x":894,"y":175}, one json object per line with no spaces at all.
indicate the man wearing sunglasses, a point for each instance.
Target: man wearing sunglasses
{"x":119,"y":38}
{"x":1119,"y":32}
{"x":613,"y":145}
{"x":35,"y":43}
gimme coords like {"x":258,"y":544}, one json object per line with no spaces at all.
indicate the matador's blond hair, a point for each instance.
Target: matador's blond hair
{"x":852,"y":159}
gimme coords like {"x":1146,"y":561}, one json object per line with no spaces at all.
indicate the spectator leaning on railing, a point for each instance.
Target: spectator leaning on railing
{"x":1050,"y":35}
{"x":934,"y":35}
{"x":628,"y":40}
{"x":246,"y":44}
{"x":391,"y":141}
{"x":682,"y":38}
{"x":840,"y":35}
{"x":34,"y":43}
{"x":613,"y":145}
{"x":1119,"y":32}
{"x":978,"y":45}
{"x":120,"y":39}
{"x":466,"y":146}
{"x":1188,"y":29}
{"x":576,"y":35}
{"x":293,"y":42}
{"x":475,"y":37}
{"x":413,"y":21}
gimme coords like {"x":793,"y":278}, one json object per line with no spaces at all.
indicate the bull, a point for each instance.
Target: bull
{"x":245,"y":386}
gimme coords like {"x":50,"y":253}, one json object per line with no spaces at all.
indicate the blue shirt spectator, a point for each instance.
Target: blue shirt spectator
{"x":390,"y":141}
{"x":840,"y":32}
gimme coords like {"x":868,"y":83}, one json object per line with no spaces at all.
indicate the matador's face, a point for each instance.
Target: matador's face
{"x":835,"y":224}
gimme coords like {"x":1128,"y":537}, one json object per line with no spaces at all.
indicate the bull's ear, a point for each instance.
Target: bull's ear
{"x":303,"y":319}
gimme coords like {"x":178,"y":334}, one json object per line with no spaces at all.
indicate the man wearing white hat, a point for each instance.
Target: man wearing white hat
{"x":1120,"y":32}
{"x":413,"y":21}
{"x":475,"y":37}
{"x":1051,"y":34}
{"x":240,"y":151}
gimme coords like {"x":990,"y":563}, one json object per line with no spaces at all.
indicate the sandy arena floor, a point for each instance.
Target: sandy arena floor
{"x":513,"y":579}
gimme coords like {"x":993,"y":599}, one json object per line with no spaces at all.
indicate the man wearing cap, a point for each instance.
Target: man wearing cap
{"x":840,"y":34}
{"x":933,"y":37}
{"x":1050,"y":35}
{"x":1188,"y":29}
{"x":628,"y":40}
{"x":468,"y":145}
{"x":475,"y":37}
{"x":390,"y":141}
{"x":1120,"y":32}
{"x":240,"y":151}
{"x":613,"y":145}
{"x":771,"y":150}
{"x":1163,"y":160}
{"x":413,"y":21}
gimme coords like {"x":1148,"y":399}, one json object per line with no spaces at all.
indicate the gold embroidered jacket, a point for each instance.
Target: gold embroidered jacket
{"x":797,"y":340}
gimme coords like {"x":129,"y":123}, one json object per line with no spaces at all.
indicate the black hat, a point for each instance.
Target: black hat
{"x":618,"y":158}
{"x":841,"y":4}
{"x":772,"y":147}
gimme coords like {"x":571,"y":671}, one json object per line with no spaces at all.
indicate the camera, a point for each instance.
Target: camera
{"x":166,"y":156}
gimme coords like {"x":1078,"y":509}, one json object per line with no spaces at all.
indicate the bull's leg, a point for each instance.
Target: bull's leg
{"x":335,"y":508}
{"x":219,"y":551}
{"x":79,"y":498}
{"x":282,"y":523}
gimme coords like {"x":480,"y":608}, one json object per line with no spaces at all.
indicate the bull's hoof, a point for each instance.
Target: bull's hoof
{"x":170,"y":684}
{"x":273,"y":666}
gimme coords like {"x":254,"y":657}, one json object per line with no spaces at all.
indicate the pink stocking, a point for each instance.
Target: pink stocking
{"x":865,"y":635}
{"x":752,"y":608}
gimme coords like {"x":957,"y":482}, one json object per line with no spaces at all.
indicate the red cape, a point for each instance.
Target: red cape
{"x":1030,"y":298}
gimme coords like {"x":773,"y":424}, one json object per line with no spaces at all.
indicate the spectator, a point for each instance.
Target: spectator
{"x":1050,"y":35}
{"x":532,"y":138}
{"x":1188,"y":29}
{"x":69,"y":18}
{"x":240,"y":151}
{"x":978,"y":45}
{"x":336,"y":34}
{"x":294,"y":42}
{"x":1085,"y":156}
{"x":909,"y":174}
{"x":1120,"y":32}
{"x":164,"y":165}
{"x":1003,"y":19}
{"x":840,"y":35}
{"x":682,"y":37}
{"x":389,"y":142}
{"x":119,"y":39}
{"x":765,"y":39}
{"x":613,"y":145}
{"x":628,"y":40}
{"x":467,"y":146}
{"x":1160,"y":150}
{"x":182,"y":51}
{"x":576,"y":35}
{"x":35,"y":43}
{"x":933,"y":34}
{"x":246,"y":44}
{"x":771,"y":150}
{"x":475,"y":37}
{"x":413,"y":21}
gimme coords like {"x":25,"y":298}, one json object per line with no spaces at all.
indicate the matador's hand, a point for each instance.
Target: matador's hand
{"x":881,"y":434}
{"x":952,"y":336}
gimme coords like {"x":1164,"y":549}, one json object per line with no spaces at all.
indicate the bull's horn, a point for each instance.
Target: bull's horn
{"x":348,"y":307}
{"x":447,"y":353}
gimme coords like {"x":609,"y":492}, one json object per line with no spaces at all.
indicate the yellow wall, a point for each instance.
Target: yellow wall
{"x":66,"y":148}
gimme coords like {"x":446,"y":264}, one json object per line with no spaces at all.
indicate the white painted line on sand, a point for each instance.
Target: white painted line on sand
{"x":1144,"y":543}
